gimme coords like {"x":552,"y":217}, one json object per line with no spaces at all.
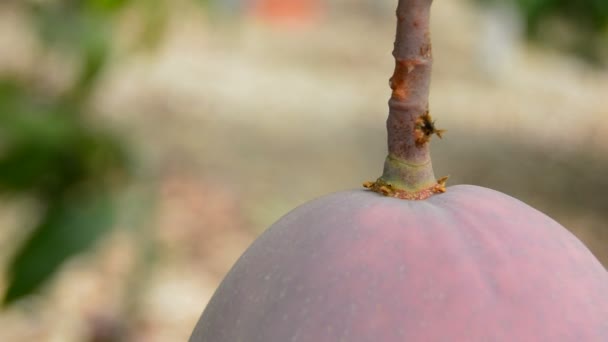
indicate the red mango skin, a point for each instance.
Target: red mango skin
{"x":472,"y":264}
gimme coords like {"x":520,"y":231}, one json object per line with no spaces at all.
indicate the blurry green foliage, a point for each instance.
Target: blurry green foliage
{"x":591,"y":15}
{"x":576,"y":26}
{"x":70,"y":225}
{"x":49,"y":149}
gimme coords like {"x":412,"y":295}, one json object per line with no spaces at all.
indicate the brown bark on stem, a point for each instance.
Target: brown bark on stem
{"x":408,"y":171}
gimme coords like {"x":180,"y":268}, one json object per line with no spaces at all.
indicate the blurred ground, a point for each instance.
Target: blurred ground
{"x":237,"y":122}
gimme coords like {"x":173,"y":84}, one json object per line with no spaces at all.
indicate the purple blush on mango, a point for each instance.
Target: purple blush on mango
{"x":472,"y":264}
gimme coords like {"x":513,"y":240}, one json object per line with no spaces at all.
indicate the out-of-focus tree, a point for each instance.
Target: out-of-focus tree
{"x":51,"y":151}
{"x":579,"y":27}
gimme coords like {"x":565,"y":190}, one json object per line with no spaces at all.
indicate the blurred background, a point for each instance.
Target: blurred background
{"x":144,"y":144}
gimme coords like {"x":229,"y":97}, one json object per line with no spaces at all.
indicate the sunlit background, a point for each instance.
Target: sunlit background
{"x":144,"y":144}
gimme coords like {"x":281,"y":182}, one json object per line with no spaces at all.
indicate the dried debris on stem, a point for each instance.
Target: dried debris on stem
{"x":425,"y":128}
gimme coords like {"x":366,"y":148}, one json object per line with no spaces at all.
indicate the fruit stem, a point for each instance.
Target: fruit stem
{"x":408,"y":171}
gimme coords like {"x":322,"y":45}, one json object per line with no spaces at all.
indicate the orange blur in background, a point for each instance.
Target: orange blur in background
{"x":287,"y":12}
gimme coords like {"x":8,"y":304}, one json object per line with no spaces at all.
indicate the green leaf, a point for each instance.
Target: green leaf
{"x":110,"y":6}
{"x":46,"y":151}
{"x":68,"y":227}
